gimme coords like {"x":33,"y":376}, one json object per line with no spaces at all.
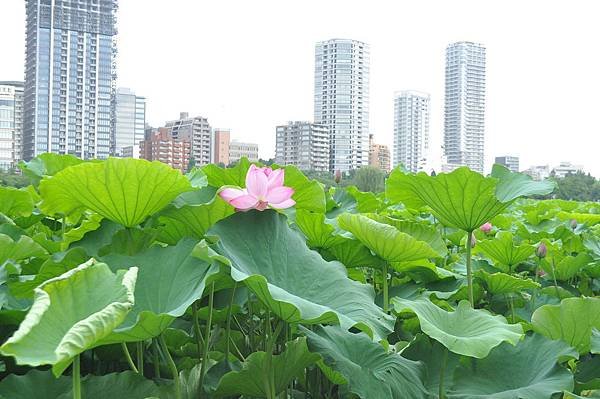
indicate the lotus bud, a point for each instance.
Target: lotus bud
{"x":473,"y":240}
{"x":541,"y":250}
{"x":573,"y":224}
{"x":541,"y":273}
{"x":338,"y":176}
{"x":486,"y":227}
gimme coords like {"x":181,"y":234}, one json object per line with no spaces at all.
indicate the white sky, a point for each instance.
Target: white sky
{"x":248,"y":65}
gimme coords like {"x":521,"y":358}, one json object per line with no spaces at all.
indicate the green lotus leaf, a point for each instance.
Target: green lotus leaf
{"x":587,"y":218}
{"x":72,"y":313}
{"x":369,"y":370}
{"x":308,"y":194}
{"x":192,"y":220}
{"x":504,"y":252}
{"x":465,"y":331}
{"x":21,"y":249}
{"x":463,"y":199}
{"x":528,"y":370}
{"x":47,"y":164}
{"x":571,"y":321}
{"x":127,"y":384}
{"x":249,"y":381}
{"x":594,"y":394}
{"x":35,"y":384}
{"x":319,"y":233}
{"x":169,"y":280}
{"x":386,"y":241}
{"x":365,"y":201}
{"x":341,"y":202}
{"x":595,"y":341}
{"x":417,"y":230}
{"x":502,"y":283}
{"x":352,"y":253}
{"x":15,"y":202}
{"x":568,"y":266}
{"x":124,"y":190}
{"x":91,"y":222}
{"x":293,"y":281}
{"x":235,"y":176}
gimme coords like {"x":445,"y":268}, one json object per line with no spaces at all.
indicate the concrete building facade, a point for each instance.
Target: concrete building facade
{"x":238,"y":150}
{"x":198,"y":132}
{"x":11,"y":123}
{"x":220,"y":143}
{"x":130,"y":121}
{"x":304,"y":145}
{"x":159,"y":145}
{"x":379,"y":155}
{"x":508,"y":161}
{"x":411,"y":130}
{"x":341,"y":100}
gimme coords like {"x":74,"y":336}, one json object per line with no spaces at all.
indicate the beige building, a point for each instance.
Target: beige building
{"x":221,"y":140}
{"x":379,"y":155}
{"x":304,"y":145}
{"x":160,"y":145}
{"x":197,"y":131}
{"x":238,"y":150}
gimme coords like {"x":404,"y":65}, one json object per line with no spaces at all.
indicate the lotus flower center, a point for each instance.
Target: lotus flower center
{"x":262,"y":205}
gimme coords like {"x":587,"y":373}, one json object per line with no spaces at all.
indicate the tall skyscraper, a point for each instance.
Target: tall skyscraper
{"x":411,"y":130}
{"x":130,"y":121}
{"x":70,"y":75}
{"x":342,"y":100}
{"x":464,"y":117}
{"x":304,"y":145}
{"x":11,"y":123}
{"x":198,"y":132}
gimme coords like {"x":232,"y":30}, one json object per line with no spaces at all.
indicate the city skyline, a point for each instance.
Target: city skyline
{"x":524,"y":75}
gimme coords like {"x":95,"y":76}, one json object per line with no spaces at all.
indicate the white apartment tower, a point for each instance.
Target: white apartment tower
{"x":11,"y":123}
{"x":197,"y":131}
{"x":304,"y":145}
{"x":130,"y":121}
{"x":411,"y":130}
{"x":464,"y":116}
{"x":342,"y":100}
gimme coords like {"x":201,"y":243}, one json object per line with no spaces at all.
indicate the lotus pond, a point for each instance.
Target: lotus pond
{"x":126,"y":279}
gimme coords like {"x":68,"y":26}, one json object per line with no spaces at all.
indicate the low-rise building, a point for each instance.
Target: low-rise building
{"x":239,"y":150}
{"x":220,"y":142}
{"x":161,"y":146}
{"x":566,"y":168}
{"x":379,"y":155}
{"x":197,"y":131}
{"x":508,"y":161}
{"x":538,"y":172}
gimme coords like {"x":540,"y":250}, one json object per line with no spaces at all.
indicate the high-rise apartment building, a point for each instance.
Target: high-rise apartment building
{"x":464,"y":116}
{"x":304,"y":145}
{"x":198,"y":132}
{"x":130,"y":122}
{"x":70,"y":75}
{"x":11,"y":123}
{"x":239,"y":150}
{"x":221,"y":140}
{"x":379,"y":155}
{"x":411,"y":130}
{"x":508,"y":161}
{"x":159,"y":145}
{"x":341,"y":100}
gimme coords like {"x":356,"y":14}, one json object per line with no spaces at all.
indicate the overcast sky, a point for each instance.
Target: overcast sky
{"x":248,"y":65}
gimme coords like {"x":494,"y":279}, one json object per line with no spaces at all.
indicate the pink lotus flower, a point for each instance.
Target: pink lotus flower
{"x":541,"y":250}
{"x":264,"y":189}
{"x":486,"y":227}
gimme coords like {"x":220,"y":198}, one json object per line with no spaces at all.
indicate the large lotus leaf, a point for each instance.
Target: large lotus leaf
{"x":127,"y":384}
{"x":386,"y":241}
{"x":369,"y":370}
{"x":35,"y":384}
{"x":72,"y":313}
{"x":595,"y":341}
{"x":567,"y":267}
{"x":20,"y":249}
{"x":124,"y":190}
{"x":15,"y":202}
{"x":504,"y":252}
{"x":195,"y":220}
{"x":463,"y":199}
{"x":572,"y":321}
{"x":587,"y":218}
{"x":417,"y":230}
{"x":352,"y":253}
{"x":466,"y":331}
{"x":169,"y":280}
{"x":249,"y":381}
{"x":341,"y":202}
{"x":308,"y":194}
{"x":319,"y":233}
{"x":366,"y":201}
{"x":90,"y":223}
{"x":431,"y":353}
{"x":47,"y":164}
{"x":219,"y":177}
{"x":502,"y":283}
{"x":295,"y":282}
{"x":528,"y":370}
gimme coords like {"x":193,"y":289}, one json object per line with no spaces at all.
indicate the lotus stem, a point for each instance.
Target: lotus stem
{"x":554,"y":278}
{"x":469,"y":271}
{"x":197,"y":332}
{"x":228,"y":325}
{"x":128,"y":357}
{"x":155,"y":359}
{"x":140,"y":356}
{"x":76,"y":378}
{"x":211,"y":298}
{"x":269,"y":380}
{"x":172,"y":366}
{"x":385,"y":288}
{"x":442,"y":391}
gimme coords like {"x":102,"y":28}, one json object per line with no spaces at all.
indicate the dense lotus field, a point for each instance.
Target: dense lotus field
{"x":126,"y":279}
